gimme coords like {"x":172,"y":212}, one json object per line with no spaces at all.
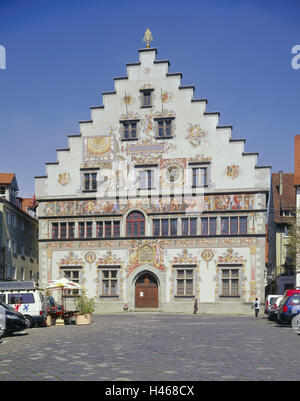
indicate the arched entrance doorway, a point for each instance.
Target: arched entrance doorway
{"x":146,"y":291}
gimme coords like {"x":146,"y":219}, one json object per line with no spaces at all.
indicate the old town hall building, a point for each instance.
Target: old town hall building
{"x":153,"y":204}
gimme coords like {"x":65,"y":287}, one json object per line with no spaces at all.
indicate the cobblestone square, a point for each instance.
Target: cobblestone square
{"x":154,"y":347}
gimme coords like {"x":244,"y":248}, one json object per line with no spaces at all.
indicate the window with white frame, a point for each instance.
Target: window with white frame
{"x":109,"y":279}
{"x":230,"y":279}
{"x":146,"y":178}
{"x":184,"y":281}
{"x":90,"y":181}
{"x":199,"y":176}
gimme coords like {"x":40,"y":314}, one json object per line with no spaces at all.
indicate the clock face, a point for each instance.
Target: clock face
{"x":172,"y":174}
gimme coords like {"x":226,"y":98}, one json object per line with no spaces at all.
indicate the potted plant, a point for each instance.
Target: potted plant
{"x":85,"y":307}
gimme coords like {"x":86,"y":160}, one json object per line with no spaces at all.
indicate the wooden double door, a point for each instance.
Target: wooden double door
{"x":146,"y":292}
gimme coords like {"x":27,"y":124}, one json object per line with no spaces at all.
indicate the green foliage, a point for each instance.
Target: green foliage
{"x":85,"y":305}
{"x":293,"y":244}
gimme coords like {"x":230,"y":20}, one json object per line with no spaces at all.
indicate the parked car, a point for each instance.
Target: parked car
{"x":14,"y":321}
{"x":270,"y":300}
{"x":289,"y":307}
{"x":274,"y":308}
{"x":23,"y":297}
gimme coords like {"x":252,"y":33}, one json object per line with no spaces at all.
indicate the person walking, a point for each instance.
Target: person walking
{"x":195,"y":306}
{"x":256,"y":306}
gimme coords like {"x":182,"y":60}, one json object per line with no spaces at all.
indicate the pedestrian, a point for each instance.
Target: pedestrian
{"x":195,"y":306}
{"x":256,"y":306}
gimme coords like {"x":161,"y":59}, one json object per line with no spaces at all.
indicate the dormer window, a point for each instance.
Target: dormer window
{"x":129,"y":130}
{"x":164,"y":128}
{"x":146,"y":97}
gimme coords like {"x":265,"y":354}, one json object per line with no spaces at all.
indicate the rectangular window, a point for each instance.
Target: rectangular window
{"x":63,"y":230}
{"x":81,"y":229}
{"x":224,"y":225}
{"x":234,"y":225}
{"x":193,"y":226}
{"x":199,"y":177}
{"x":116,"y":229}
{"x":146,"y":179}
{"x":146,"y":98}
{"x":109,"y":279}
{"x":185,"y":226}
{"x":173,"y":227}
{"x":54,"y":230}
{"x":14,"y":247}
{"x":185,"y":282}
{"x":108,"y":231}
{"x":204,"y":226}
{"x":230,"y":282}
{"x":8,"y":218}
{"x":71,"y":230}
{"x":90,"y":181}
{"x":156,"y":227}
{"x":99,"y":229}
{"x":212,"y":226}
{"x":71,"y":274}
{"x":89,"y":229}
{"x":129,"y":130}
{"x":243,"y":225}
{"x":189,"y":226}
{"x":164,"y":128}
{"x":21,"y":298}
{"x":165,"y":227}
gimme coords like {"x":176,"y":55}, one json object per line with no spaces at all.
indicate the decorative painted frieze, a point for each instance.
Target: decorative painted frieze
{"x":178,"y":204}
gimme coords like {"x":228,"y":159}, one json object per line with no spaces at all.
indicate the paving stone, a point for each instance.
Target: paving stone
{"x":151,"y":347}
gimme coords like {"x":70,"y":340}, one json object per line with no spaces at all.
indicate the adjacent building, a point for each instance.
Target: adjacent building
{"x":297,"y":189}
{"x":18,"y":233}
{"x":282,"y":210}
{"x":153,"y":203}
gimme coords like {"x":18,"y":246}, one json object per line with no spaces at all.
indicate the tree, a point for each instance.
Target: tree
{"x":293,"y":243}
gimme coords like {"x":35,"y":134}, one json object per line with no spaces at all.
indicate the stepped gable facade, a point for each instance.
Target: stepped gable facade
{"x":154,"y":203}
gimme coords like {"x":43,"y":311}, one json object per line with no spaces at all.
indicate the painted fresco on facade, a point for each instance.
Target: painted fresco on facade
{"x":159,"y":205}
{"x":194,"y":179}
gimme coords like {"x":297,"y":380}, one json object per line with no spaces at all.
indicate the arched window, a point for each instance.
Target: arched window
{"x":135,"y":225}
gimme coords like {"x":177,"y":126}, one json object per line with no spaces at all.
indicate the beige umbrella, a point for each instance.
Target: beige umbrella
{"x":63,"y":284}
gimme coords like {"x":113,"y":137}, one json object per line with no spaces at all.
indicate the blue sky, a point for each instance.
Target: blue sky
{"x":62,"y":54}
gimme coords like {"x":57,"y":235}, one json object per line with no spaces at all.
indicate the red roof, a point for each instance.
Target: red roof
{"x":285,"y":201}
{"x":27,"y":203}
{"x":6,"y":178}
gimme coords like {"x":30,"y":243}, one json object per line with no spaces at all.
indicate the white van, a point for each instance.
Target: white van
{"x":270,"y":300}
{"x":23,"y":297}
